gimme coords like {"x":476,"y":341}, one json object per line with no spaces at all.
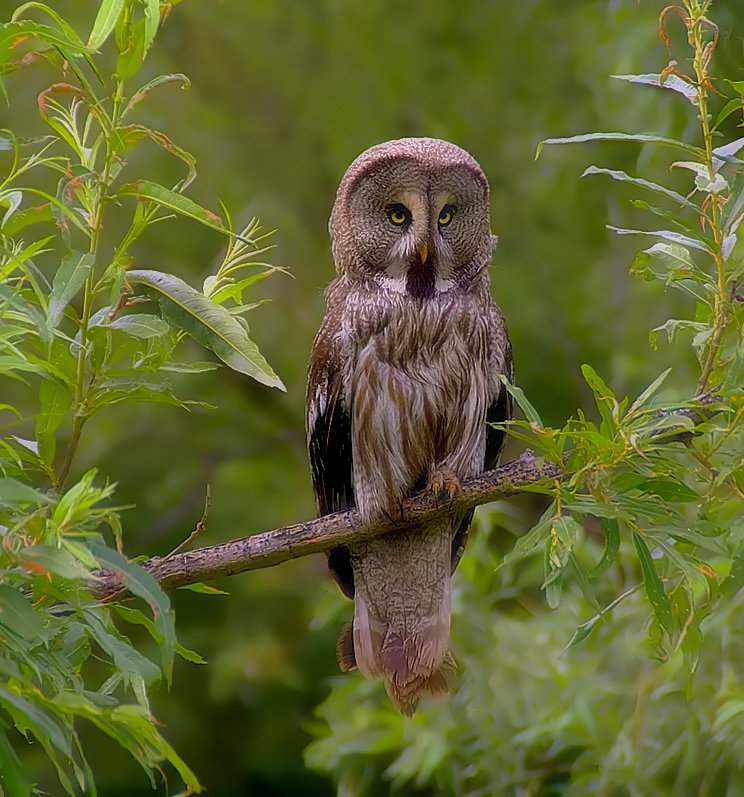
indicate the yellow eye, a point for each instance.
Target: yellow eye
{"x":398,"y":214}
{"x":445,"y":216}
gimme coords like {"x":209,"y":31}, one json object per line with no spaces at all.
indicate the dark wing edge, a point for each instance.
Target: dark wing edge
{"x":328,"y":425}
{"x":499,"y":410}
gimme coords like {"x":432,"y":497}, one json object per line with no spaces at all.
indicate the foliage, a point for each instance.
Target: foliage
{"x":76,"y":340}
{"x":660,"y":480}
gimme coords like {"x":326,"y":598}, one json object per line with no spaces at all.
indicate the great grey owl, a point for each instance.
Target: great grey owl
{"x":403,"y":380}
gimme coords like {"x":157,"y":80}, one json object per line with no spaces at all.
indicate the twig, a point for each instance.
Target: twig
{"x":200,"y":526}
{"x":270,"y":548}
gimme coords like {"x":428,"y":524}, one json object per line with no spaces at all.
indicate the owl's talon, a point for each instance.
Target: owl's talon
{"x":444,"y":485}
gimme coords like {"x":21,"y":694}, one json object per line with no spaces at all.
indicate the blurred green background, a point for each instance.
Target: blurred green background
{"x":285,"y":93}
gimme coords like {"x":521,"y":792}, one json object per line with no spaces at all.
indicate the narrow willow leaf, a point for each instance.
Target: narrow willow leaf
{"x":558,"y":550}
{"x":68,"y":280}
{"x":583,"y":631}
{"x":14,"y":776}
{"x":55,"y":400}
{"x":12,"y":200}
{"x":28,"y":715}
{"x":145,"y":189}
{"x":208,"y":323}
{"x":152,"y":20}
{"x":18,"y":31}
{"x":641,"y":183}
{"x":611,"y":532}
{"x":664,"y":82}
{"x":139,"y":582}
{"x":104,"y":22}
{"x":141,"y":93}
{"x":727,"y":245}
{"x":730,"y":107}
{"x":655,"y":591}
{"x":726,"y":153}
{"x":553,"y":583}
{"x":644,"y":138}
{"x":528,"y":543}
{"x":130,"y":661}
{"x":141,"y":325}
{"x":669,"y":235}
{"x":127,"y":137}
{"x":17,"y":614}
{"x":57,"y":561}
{"x":523,"y":402}
{"x":14,"y":493}
{"x":646,"y":396}
{"x":669,"y":490}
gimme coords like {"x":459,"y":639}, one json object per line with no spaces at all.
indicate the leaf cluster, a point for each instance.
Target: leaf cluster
{"x":81,"y":331}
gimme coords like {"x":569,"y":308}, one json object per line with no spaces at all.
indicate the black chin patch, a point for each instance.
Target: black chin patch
{"x":421,"y":277}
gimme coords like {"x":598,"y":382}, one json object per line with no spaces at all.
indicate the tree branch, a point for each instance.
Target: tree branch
{"x":270,"y":548}
{"x":273,"y":547}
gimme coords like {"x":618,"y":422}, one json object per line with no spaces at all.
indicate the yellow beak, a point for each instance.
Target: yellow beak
{"x":424,"y":252}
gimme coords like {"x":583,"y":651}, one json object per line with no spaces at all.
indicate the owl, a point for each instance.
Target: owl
{"x":404,"y":378}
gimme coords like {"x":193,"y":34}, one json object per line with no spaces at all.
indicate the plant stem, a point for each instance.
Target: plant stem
{"x":81,"y":389}
{"x":703,"y":53}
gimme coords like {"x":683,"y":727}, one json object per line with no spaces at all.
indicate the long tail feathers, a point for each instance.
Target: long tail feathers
{"x":411,"y":662}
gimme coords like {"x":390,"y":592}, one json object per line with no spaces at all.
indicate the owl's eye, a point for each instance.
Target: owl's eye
{"x":445,"y":215}
{"x":399,"y":215}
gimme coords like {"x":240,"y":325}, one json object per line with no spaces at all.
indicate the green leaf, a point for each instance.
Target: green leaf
{"x":646,"y":396}
{"x":27,"y":715}
{"x":127,"y":137}
{"x":141,"y":325}
{"x":152,"y":20}
{"x":54,"y":560}
{"x":644,"y":138}
{"x":147,"y":190}
{"x":141,"y":93}
{"x":672,"y":82}
{"x":669,"y":490}
{"x":104,"y":22}
{"x":12,"y":772}
{"x":132,"y":47}
{"x":140,"y":583}
{"x":16,"y":32}
{"x":208,"y":323}
{"x":655,"y":591}
{"x":730,"y":107}
{"x":611,"y":532}
{"x":68,"y":280}
{"x":647,"y":184}
{"x":522,"y":401}
{"x":17,"y":614}
{"x":55,"y":401}
{"x":528,"y":543}
{"x":669,"y":235}
{"x":14,"y":493}
{"x":130,"y":661}
{"x":726,"y":153}
{"x":189,"y":655}
{"x":204,"y":589}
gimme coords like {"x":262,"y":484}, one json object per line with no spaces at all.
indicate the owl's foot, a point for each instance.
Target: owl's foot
{"x":444,"y":484}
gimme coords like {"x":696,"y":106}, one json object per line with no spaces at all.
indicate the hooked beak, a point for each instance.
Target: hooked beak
{"x":423,"y":251}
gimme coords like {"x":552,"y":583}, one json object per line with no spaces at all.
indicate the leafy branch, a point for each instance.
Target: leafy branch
{"x":669,"y":501}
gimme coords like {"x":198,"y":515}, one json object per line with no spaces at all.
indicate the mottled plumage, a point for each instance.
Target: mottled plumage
{"x":403,"y":376}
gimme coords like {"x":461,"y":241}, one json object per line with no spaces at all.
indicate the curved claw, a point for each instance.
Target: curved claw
{"x":444,"y":484}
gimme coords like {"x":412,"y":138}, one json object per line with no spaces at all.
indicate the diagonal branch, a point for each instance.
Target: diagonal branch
{"x":273,"y":547}
{"x":291,"y":542}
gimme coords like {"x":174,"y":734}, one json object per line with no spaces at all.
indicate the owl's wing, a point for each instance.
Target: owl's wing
{"x":328,"y":424}
{"x":500,"y":409}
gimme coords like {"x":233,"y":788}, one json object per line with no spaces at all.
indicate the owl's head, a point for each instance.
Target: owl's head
{"x":412,"y":216}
